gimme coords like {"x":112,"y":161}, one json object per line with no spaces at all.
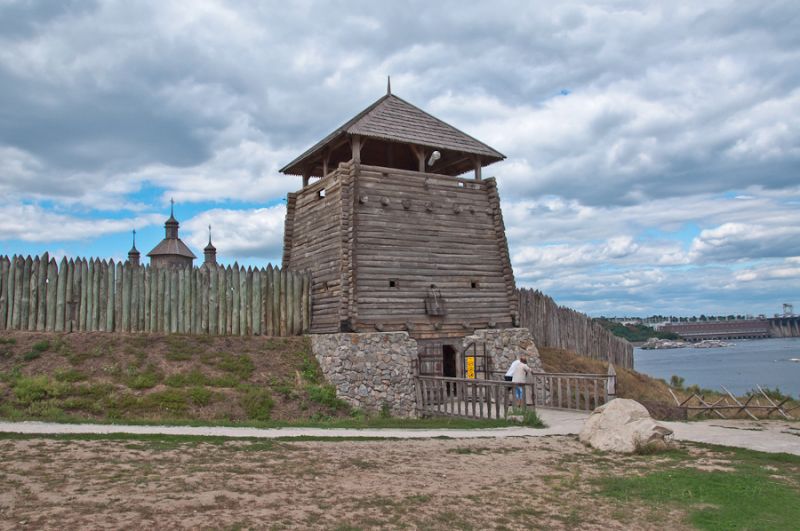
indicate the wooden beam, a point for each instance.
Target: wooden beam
{"x":477,"y":168}
{"x":355,"y":145}
{"x":326,"y":156}
{"x":419,"y":152}
{"x":306,"y":177}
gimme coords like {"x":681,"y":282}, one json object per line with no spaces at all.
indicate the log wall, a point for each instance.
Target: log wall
{"x":555,"y":326}
{"x":376,"y":239}
{"x":313,"y":240}
{"x":101,"y":295}
{"x":416,"y":230}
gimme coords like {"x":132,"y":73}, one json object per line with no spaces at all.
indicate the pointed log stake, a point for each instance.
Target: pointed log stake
{"x":61,"y":295}
{"x":26,"y":294}
{"x":34,"y":289}
{"x":52,"y":290}
{"x":269,"y":329}
{"x":213,"y":294}
{"x":71,"y":300}
{"x":776,"y":407}
{"x":5,"y":268}
{"x":741,"y":407}
{"x":41,"y":291}
{"x":12,"y":271}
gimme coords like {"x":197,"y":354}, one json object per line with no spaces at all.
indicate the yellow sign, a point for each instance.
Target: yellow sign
{"x":471,"y":367}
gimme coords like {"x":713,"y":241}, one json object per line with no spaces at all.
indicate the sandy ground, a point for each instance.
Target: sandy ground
{"x":511,"y":483}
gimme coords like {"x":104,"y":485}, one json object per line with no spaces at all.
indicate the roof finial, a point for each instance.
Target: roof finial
{"x":209,"y":234}
{"x":134,"y":238}
{"x":388,"y":85}
{"x":172,"y":206}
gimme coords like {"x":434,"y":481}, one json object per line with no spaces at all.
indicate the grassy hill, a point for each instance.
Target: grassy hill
{"x":155,"y":377}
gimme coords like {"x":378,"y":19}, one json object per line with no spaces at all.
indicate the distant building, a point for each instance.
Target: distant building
{"x":210,"y":252}
{"x":171,"y":252}
{"x":133,"y":254}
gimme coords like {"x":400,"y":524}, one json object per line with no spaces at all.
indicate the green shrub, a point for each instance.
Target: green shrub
{"x":200,"y":396}
{"x":147,"y":379}
{"x":32,"y":355}
{"x":310,"y":369}
{"x":326,"y":395}
{"x":8,"y":341}
{"x":29,"y":389}
{"x":179,"y":349}
{"x":240,"y":365}
{"x":69,"y":375}
{"x":676,"y":382}
{"x":169,"y":400}
{"x":41,"y":346}
{"x":195,"y":378}
{"x":529,"y":417}
{"x":257,"y":403}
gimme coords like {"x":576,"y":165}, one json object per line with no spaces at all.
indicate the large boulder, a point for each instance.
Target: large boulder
{"x":624,"y":426}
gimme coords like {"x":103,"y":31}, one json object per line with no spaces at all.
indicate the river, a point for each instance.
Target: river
{"x":739,"y":368}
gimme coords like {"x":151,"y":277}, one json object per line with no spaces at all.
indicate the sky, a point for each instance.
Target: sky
{"x":653,"y":147}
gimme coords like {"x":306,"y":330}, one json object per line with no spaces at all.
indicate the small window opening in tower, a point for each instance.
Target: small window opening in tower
{"x":393,"y":283}
{"x":474,"y":284}
{"x":321,"y":193}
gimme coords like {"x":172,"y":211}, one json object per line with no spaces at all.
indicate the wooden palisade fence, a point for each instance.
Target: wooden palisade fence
{"x":555,"y":326}
{"x":37,"y":294}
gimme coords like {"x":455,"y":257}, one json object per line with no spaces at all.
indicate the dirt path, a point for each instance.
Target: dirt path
{"x":512,"y":483}
{"x":765,"y":436}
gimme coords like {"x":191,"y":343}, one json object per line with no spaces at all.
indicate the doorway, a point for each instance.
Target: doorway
{"x":449,"y":367}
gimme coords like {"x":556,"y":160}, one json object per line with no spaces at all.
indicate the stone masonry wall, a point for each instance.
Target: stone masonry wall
{"x":506,"y":345}
{"x":370,"y":369}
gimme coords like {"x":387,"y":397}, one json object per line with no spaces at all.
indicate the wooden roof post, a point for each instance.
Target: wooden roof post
{"x":477,"y":168}
{"x":356,"y":145}
{"x":325,"y":158}
{"x":306,"y":177}
{"x":420,"y":154}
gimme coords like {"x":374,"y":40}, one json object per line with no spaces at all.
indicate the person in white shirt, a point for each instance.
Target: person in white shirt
{"x":510,"y":371}
{"x":519,"y":377}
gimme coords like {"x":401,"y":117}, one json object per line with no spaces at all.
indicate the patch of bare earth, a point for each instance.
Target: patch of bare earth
{"x":421,"y":484}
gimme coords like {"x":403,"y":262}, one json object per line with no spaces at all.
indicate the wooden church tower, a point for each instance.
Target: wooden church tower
{"x":399,"y":229}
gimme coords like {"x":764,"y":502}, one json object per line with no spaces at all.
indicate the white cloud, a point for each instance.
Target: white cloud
{"x":256,"y":233}
{"x":34,"y":224}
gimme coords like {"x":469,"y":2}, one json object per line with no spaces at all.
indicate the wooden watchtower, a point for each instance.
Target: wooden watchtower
{"x":400,"y":230}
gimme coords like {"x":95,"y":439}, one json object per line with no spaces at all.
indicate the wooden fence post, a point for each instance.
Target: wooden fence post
{"x":267,"y":302}
{"x":210,"y":292}
{"x":282,"y":301}
{"x":5,"y":267}
{"x":25,"y":306}
{"x":41,"y":293}
{"x":61,"y":295}
{"x":19,"y":273}
{"x":34,"y":295}
{"x":258,"y":296}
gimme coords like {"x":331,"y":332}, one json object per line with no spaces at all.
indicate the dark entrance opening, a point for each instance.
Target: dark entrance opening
{"x":449,"y":366}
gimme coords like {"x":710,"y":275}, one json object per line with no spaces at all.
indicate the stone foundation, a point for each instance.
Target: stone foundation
{"x":370,"y":370}
{"x":504,"y":346}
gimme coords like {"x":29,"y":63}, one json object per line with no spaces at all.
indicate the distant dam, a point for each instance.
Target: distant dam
{"x":788,"y":326}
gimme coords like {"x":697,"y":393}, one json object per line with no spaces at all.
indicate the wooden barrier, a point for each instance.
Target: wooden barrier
{"x":493,"y":399}
{"x":555,"y":326}
{"x":88,"y":295}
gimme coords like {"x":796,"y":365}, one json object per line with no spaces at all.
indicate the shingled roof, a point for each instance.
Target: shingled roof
{"x":394,"y":119}
{"x":171,"y":246}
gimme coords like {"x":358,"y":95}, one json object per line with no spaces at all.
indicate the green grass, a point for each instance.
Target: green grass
{"x":257,"y":403}
{"x":529,"y":417}
{"x":746,"y":498}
